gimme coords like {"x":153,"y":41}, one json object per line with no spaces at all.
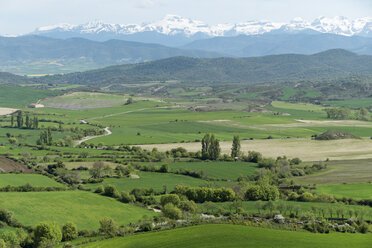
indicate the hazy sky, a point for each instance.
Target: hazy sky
{"x":22,"y":16}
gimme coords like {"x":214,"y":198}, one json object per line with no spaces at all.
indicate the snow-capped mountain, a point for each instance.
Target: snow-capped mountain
{"x":176,"y":30}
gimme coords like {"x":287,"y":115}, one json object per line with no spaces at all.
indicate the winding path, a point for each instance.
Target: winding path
{"x":107,"y":130}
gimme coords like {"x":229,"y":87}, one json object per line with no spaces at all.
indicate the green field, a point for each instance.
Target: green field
{"x":355,"y":191}
{"x":20,"y":97}
{"x":83,"y":208}
{"x":236,"y":236}
{"x":354,"y":103}
{"x":22,"y":179}
{"x":339,"y":172}
{"x":156,"y":181}
{"x":221,"y":170}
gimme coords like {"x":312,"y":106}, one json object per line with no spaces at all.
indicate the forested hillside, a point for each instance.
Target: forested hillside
{"x":329,"y":64}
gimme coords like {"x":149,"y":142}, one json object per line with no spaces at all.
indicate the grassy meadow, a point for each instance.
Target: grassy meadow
{"x":235,"y":236}
{"x":34,"y":180}
{"x":85,"y":209}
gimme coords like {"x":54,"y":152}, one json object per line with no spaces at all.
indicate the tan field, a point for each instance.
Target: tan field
{"x":7,"y":111}
{"x":305,"y":149}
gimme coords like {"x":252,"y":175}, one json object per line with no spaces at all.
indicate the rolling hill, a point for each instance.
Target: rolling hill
{"x":329,"y":64}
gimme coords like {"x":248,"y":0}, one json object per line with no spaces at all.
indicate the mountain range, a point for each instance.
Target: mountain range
{"x":174,"y":30}
{"x":329,"y":64}
{"x":43,"y":55}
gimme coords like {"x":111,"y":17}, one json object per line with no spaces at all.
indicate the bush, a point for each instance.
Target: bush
{"x":293,"y":196}
{"x":47,"y":234}
{"x":6,"y":216}
{"x":100,"y":189}
{"x":306,"y":197}
{"x":126,"y":197}
{"x":172,"y":212}
{"x":69,"y":231}
{"x":111,"y":191}
{"x":170,"y":198}
{"x":263,"y":192}
{"x":266,"y":163}
{"x":254,"y":157}
{"x":363,"y":227}
{"x":10,"y":238}
{"x":188,"y":206}
{"x":108,"y":227}
{"x":2,"y":243}
{"x":164,"y":168}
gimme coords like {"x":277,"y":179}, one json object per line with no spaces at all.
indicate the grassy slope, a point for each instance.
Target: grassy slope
{"x":18,"y":97}
{"x":83,"y":208}
{"x":355,"y":191}
{"x":22,"y":179}
{"x":226,"y":170}
{"x":236,"y":236}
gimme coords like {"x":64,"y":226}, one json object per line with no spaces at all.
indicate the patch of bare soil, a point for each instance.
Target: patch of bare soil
{"x":8,"y":165}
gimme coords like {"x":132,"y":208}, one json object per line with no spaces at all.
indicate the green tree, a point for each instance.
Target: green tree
{"x":235,"y":150}
{"x":170,"y":198}
{"x":214,"y":149}
{"x":69,"y":231}
{"x":47,"y":234}
{"x":97,"y":169}
{"x":28,"y":122}
{"x":12,"y":120}
{"x":20,"y":119}
{"x":172,"y":212}
{"x":108,"y":227}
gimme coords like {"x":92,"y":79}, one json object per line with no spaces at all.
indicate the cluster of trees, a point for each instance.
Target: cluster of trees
{"x":203,"y":194}
{"x":262,"y":191}
{"x":210,"y":147}
{"x":172,"y":206}
{"x":27,"y":121}
{"x":46,"y":138}
{"x":346,"y":113}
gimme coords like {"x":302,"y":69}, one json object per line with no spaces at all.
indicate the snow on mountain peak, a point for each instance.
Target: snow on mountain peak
{"x":177,"y":25}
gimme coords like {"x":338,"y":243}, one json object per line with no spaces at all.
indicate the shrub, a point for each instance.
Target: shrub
{"x":69,"y":231}
{"x":363,"y":227}
{"x":164,"y":168}
{"x":188,"y":206}
{"x":293,"y":196}
{"x":47,"y":234}
{"x":266,"y":163}
{"x":126,"y":197}
{"x":172,"y":212}
{"x":306,"y":197}
{"x":254,"y":157}
{"x":295,"y":161}
{"x":108,"y":227}
{"x":2,"y":243}
{"x":263,"y":192}
{"x":170,"y":198}
{"x":111,"y":191}
{"x":100,"y":189}
{"x":6,"y":216}
{"x":10,"y":238}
